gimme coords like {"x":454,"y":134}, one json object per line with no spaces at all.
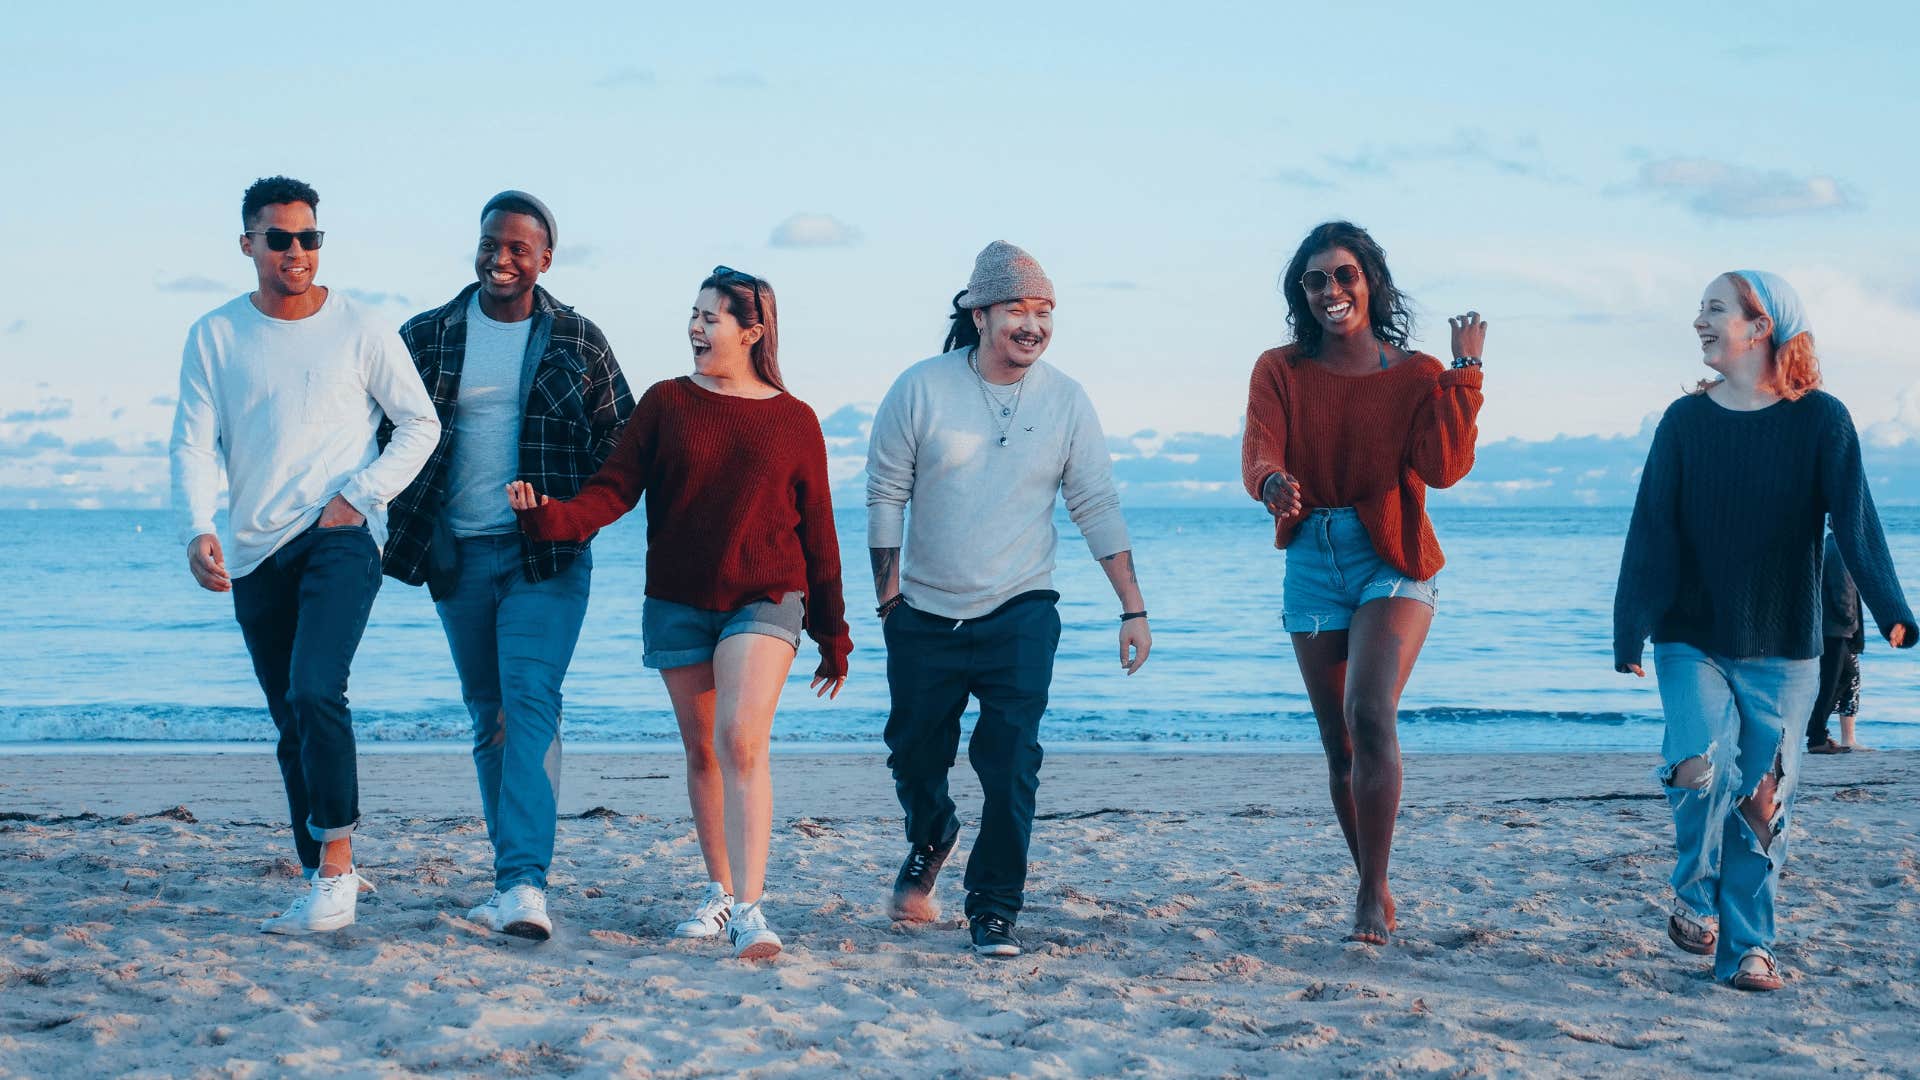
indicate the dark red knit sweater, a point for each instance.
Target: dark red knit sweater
{"x":1373,"y":442}
{"x":737,"y":505}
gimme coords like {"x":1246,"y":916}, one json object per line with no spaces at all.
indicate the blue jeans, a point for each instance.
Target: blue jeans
{"x":1744,"y":717}
{"x":512,"y":640}
{"x":302,"y":612}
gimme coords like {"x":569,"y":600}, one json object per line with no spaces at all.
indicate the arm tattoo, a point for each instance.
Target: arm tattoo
{"x":1125,"y":563}
{"x":886,"y":563}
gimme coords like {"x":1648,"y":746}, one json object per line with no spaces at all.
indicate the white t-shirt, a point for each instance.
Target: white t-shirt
{"x":290,"y":409}
{"x":486,"y":426}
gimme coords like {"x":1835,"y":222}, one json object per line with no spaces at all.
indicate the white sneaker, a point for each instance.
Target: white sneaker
{"x":523,"y":913}
{"x":487,"y":914}
{"x":711,"y":916}
{"x":328,"y":905}
{"x":752,"y":938}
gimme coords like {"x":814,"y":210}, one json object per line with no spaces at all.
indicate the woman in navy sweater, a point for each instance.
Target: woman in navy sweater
{"x":1722,"y":570}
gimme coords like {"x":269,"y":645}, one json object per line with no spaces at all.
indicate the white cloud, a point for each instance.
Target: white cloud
{"x":810,"y":230}
{"x":1720,"y":189}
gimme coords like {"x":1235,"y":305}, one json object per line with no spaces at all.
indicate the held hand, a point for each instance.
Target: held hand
{"x":1898,"y":638}
{"x":829,"y":688}
{"x":521,"y":496}
{"x":1469,"y":335}
{"x":208,"y":564}
{"x":340,"y":512}
{"x":1637,"y":670}
{"x":1281,"y":494}
{"x":1135,"y":635}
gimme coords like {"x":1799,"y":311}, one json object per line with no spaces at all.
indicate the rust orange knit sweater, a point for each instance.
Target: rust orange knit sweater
{"x":1373,"y":442}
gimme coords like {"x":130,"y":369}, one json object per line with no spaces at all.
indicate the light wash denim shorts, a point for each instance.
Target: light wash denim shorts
{"x":1332,"y":569}
{"x":675,"y":635}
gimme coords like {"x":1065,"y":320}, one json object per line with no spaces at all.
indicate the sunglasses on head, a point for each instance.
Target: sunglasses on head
{"x":1346,"y":274}
{"x":281,"y":239}
{"x":759,"y":316}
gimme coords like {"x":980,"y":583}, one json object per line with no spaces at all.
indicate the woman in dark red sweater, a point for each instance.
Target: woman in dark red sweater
{"x":1346,"y":429}
{"x":741,"y":557}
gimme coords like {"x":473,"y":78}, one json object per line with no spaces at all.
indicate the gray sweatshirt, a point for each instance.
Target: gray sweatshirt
{"x":981,"y":530}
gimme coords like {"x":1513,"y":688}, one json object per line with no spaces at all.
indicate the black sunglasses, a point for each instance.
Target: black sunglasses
{"x":759,"y":316}
{"x":1346,"y":274}
{"x":281,"y":239}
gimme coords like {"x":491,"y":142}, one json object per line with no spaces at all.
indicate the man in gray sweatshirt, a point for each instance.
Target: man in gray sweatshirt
{"x":979,"y":440}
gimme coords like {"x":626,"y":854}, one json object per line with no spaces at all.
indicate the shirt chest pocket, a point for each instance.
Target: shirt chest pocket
{"x":333,"y":399}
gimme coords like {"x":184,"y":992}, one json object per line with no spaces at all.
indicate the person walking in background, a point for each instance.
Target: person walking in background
{"x":525,"y":388}
{"x":286,"y":388}
{"x":1844,"y":635}
{"x":981,"y":440}
{"x":1722,"y":569}
{"x":741,"y":558}
{"x":1346,"y":428}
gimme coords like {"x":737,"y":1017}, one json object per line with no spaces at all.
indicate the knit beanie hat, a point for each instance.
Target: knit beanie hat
{"x":517,"y":202}
{"x":1002,"y":272}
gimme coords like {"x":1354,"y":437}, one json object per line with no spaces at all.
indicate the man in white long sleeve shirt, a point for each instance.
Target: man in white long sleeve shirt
{"x":285,"y":388}
{"x":983,"y":441}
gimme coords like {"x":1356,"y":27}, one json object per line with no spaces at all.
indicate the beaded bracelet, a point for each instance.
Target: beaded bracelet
{"x":1466,"y":361}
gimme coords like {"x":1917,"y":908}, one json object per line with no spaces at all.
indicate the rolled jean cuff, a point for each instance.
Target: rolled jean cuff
{"x":327,"y":836}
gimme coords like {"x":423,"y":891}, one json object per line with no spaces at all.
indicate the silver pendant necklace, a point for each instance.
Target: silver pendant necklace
{"x":998,"y":408}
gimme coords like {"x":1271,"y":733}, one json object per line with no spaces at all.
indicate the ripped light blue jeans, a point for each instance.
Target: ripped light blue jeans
{"x":1745,"y":718}
{"x":1332,"y":569}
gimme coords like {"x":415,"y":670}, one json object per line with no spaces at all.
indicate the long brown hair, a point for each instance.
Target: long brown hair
{"x":1795,"y":371}
{"x":750,"y":301}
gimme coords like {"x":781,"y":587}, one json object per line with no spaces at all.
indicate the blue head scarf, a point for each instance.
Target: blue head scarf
{"x":1781,"y":304}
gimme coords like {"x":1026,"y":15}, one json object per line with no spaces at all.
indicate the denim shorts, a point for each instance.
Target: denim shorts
{"x":675,"y":635}
{"x":1332,"y":569}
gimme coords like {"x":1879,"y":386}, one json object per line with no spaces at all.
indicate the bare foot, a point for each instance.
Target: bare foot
{"x":1374,"y":919}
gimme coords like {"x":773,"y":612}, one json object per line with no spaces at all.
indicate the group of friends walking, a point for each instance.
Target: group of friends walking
{"x":480,"y":450}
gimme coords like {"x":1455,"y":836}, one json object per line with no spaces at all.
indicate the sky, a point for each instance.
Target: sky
{"x":1576,"y":176}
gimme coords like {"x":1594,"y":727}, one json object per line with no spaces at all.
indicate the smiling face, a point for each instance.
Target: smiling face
{"x":721,"y":346}
{"x":1728,"y":337}
{"x":1016,"y":332}
{"x":513,"y":254}
{"x":1340,"y":309}
{"x":281,"y":273}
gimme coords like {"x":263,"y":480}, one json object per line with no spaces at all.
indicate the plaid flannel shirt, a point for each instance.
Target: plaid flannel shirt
{"x":571,"y":421}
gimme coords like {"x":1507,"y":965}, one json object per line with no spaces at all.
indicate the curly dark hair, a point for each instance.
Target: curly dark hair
{"x":1389,"y":312}
{"x":272,"y":190}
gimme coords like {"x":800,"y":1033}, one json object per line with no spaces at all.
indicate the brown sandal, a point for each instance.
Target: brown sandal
{"x":1691,"y":932}
{"x":1758,"y":971}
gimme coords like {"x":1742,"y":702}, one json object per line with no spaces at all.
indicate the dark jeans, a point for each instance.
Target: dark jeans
{"x":1833,"y":683}
{"x":302,"y":613}
{"x":1005,"y":659}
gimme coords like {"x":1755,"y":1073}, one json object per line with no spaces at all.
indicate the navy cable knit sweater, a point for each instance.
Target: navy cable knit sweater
{"x":1724,"y":551}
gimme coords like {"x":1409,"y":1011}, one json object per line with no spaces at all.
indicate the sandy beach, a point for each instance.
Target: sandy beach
{"x":1185,"y":918}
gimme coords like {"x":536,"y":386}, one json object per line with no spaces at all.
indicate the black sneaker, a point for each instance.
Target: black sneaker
{"x":993,"y":936}
{"x":913,"y":886}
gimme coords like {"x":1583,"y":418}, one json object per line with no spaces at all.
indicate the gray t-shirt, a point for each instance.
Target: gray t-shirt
{"x":486,"y":426}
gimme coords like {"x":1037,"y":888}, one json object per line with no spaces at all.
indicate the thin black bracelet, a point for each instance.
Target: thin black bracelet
{"x":886,"y":606}
{"x":1125,"y":615}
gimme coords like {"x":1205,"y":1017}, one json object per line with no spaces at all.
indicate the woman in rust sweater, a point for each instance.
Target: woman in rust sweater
{"x":741,"y":557}
{"x":1346,"y":429}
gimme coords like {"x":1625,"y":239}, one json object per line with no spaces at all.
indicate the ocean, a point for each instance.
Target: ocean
{"x":109,"y":643}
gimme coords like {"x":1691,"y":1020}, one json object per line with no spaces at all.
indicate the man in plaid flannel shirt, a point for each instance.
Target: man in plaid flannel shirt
{"x":526,"y":389}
